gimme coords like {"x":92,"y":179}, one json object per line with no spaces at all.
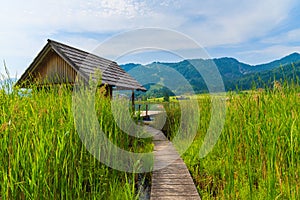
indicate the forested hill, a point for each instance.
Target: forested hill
{"x":235,"y":74}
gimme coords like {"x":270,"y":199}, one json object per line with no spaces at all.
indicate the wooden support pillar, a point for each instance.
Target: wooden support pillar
{"x":108,"y":91}
{"x":132,"y":101}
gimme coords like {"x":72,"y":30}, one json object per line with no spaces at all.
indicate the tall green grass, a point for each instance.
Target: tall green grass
{"x":258,"y":153}
{"x":42,"y":156}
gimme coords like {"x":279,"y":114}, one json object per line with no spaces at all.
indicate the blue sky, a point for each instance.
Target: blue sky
{"x":253,"y":31}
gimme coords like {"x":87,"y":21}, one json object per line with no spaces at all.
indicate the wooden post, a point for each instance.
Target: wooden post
{"x":146,"y":110}
{"x":110,"y":92}
{"x":132,"y":101}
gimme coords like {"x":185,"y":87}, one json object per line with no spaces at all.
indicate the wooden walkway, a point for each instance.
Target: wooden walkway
{"x":170,"y":178}
{"x":150,"y":113}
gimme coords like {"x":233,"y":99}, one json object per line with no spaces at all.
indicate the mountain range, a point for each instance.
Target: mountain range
{"x":235,"y":74}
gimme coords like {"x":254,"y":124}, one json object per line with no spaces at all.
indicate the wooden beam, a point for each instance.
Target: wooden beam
{"x":109,"y":90}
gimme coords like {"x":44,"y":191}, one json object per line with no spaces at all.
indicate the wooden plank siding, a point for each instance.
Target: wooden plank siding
{"x":55,"y":70}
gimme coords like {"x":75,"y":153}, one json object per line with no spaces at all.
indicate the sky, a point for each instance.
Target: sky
{"x":252,"y":31}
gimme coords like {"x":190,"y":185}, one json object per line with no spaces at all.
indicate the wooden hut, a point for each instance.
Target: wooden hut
{"x":58,"y":63}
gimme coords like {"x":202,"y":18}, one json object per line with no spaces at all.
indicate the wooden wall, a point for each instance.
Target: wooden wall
{"x":53,"y":69}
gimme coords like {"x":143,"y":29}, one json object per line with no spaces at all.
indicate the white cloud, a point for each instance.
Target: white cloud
{"x":229,"y":22}
{"x":26,"y":25}
{"x":288,"y":37}
{"x":268,"y":54}
{"x":150,"y":39}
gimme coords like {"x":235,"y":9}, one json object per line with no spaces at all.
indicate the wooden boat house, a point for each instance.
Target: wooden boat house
{"x":58,"y":63}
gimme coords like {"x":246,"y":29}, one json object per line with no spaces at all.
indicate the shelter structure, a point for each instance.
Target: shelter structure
{"x":58,"y":63}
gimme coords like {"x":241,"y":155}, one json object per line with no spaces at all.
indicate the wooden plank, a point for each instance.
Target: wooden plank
{"x":177,"y":197}
{"x":172,"y":181}
{"x":180,"y":169}
{"x":174,"y":192}
{"x":179,"y":187}
{"x":174,"y":175}
{"x":170,"y":178}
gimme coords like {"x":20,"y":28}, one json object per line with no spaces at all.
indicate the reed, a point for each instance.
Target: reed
{"x":42,"y":156}
{"x":258,"y":153}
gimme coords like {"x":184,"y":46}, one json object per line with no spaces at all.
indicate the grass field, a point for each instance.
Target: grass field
{"x":258,"y":153}
{"x":256,"y":157}
{"x":42,"y":156}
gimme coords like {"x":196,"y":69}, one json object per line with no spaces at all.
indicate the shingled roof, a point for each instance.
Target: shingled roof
{"x":85,"y":65}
